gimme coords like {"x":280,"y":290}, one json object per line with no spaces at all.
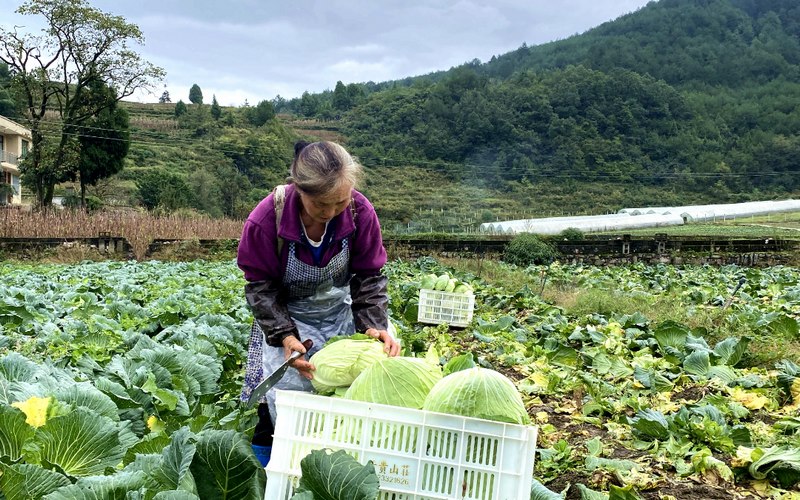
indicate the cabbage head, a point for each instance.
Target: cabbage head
{"x":339,"y":363}
{"x":479,"y":393}
{"x":400,"y":381}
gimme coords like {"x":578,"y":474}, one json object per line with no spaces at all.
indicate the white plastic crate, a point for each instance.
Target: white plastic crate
{"x":418,"y":455}
{"x":438,"y":307}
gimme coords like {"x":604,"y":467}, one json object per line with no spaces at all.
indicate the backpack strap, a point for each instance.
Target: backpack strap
{"x":280,"y":200}
{"x":353,"y":212}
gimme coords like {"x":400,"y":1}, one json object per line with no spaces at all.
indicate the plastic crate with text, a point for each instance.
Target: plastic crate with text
{"x":436,"y":307}
{"x":418,"y":455}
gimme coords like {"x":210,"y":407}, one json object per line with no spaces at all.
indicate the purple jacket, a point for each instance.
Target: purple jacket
{"x":264,"y":269}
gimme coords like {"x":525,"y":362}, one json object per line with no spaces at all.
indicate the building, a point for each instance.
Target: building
{"x":14,"y":143}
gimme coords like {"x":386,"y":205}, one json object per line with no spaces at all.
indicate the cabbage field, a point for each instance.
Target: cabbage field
{"x":121,"y":379}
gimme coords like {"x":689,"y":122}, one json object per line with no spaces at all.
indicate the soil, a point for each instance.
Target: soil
{"x":690,"y":394}
{"x":687,"y":490}
{"x":691,"y":490}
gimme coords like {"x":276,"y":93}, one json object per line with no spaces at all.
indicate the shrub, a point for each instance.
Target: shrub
{"x":93,"y":203}
{"x":73,"y":201}
{"x":572,"y":234}
{"x":527,"y":249}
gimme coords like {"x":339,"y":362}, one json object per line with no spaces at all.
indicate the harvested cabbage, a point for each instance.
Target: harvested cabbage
{"x":480,"y":393}
{"x":339,"y":363}
{"x":428,"y":281}
{"x":400,"y":381}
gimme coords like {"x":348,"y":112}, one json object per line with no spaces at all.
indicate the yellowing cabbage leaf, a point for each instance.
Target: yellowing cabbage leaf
{"x":750,"y":400}
{"x":35,"y":410}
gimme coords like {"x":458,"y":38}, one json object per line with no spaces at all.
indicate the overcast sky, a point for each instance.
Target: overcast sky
{"x":256,"y":49}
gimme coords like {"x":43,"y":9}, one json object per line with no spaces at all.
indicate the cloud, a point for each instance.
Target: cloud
{"x":255,"y":50}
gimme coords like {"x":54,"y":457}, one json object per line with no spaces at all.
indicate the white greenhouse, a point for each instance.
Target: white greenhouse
{"x":641,"y":217}
{"x":701,"y":213}
{"x":585,"y":223}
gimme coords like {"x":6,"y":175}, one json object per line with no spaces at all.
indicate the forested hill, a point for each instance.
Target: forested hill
{"x":686,"y":96}
{"x":699,"y":43}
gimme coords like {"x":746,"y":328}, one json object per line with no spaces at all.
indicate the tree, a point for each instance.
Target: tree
{"x":52,"y":71}
{"x":7,"y":105}
{"x":356,"y":93}
{"x":164,"y":189}
{"x":279,"y":104}
{"x":104,"y":139}
{"x":341,"y":98}
{"x":260,"y":114}
{"x":309,"y":104}
{"x":195,"y":94}
{"x":207,"y":189}
{"x":164,"y":97}
{"x":262,"y":158}
{"x":216,"y":111}
{"x":180,"y":108}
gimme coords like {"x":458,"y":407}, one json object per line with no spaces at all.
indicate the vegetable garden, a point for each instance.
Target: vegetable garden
{"x":121,"y":379}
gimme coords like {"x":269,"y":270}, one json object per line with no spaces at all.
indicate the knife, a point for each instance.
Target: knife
{"x":278,"y":374}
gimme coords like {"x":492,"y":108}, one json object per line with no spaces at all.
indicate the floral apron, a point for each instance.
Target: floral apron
{"x":320,"y":306}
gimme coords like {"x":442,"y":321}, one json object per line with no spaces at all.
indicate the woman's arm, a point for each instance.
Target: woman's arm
{"x":258,"y":257}
{"x":268,"y":304}
{"x":370,"y":302}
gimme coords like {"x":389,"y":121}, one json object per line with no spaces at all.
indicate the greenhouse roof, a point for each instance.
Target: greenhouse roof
{"x":641,"y":217}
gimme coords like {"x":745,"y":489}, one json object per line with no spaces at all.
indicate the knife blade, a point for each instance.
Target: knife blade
{"x":276,"y":376}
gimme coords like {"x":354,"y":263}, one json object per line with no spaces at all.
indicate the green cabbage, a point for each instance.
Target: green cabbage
{"x":428,"y":281}
{"x":480,"y":393}
{"x":400,"y":381}
{"x":441,"y":282}
{"x":339,"y":363}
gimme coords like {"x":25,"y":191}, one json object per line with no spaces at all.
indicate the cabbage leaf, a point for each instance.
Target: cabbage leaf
{"x":400,"y":381}
{"x":339,"y":363}
{"x":480,"y":393}
{"x":336,"y":476}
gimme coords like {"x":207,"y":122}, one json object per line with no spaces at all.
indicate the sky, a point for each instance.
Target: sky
{"x":253,"y":50}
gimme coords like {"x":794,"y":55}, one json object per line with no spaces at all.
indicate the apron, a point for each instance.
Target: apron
{"x":319,"y":303}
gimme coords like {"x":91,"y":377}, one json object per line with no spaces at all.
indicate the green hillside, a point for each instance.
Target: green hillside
{"x":680,"y":102}
{"x":686,"y":96}
{"x":686,"y":43}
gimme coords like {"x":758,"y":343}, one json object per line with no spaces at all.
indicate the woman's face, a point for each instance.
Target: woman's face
{"x":324,"y":207}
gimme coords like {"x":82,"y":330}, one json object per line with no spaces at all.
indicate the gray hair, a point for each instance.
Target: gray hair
{"x":322,"y":167}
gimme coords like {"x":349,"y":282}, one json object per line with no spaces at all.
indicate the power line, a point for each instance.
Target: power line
{"x":471,"y":171}
{"x":466,"y":169}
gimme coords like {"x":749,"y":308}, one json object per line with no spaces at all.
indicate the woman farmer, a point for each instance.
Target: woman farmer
{"x":312,"y":255}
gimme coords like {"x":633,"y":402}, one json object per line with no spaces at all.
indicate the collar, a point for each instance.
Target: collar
{"x":291,"y":228}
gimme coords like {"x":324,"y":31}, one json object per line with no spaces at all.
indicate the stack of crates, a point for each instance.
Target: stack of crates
{"x":417,"y":455}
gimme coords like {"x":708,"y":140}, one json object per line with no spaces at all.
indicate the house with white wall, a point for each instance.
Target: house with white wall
{"x":14,"y":143}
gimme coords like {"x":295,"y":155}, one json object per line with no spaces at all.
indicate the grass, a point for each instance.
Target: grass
{"x":716,"y":322}
{"x":493,"y":271}
{"x":778,"y":226}
{"x":62,"y":254}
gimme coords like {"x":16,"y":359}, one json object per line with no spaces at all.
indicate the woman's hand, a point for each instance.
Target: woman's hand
{"x":290,"y":345}
{"x":390,"y":345}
